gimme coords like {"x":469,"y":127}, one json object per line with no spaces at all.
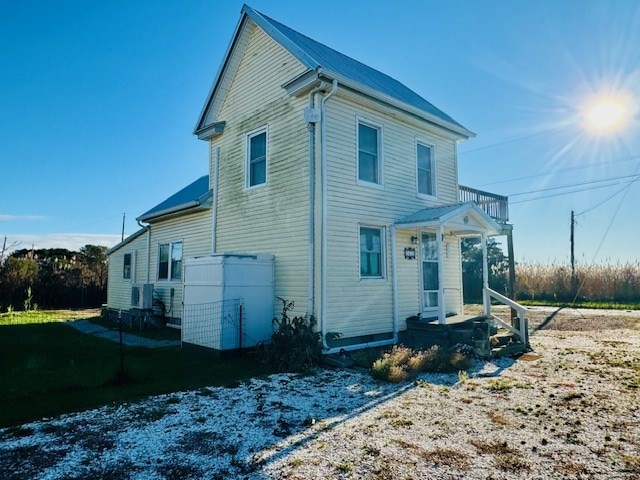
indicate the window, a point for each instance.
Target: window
{"x":371,"y":252}
{"x":256,"y":158}
{"x":170,"y":261}
{"x":369,"y":158}
{"x":126,"y":270}
{"x":425,"y":164}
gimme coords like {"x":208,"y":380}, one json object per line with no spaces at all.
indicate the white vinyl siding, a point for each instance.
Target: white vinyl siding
{"x":194,"y":231}
{"x":119,"y":287}
{"x":275,"y":217}
{"x":368,"y":307}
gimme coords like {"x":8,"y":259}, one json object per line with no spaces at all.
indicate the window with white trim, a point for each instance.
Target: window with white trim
{"x":170,"y":261}
{"x":256,"y":162}
{"x":371,"y":252}
{"x":425,"y":169}
{"x":369,"y":153}
{"x":126,"y":269}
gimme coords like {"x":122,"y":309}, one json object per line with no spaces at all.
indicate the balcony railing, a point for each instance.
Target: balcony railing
{"x":497,"y":206}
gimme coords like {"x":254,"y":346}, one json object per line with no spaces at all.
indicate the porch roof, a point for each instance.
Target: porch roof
{"x":462,"y":218}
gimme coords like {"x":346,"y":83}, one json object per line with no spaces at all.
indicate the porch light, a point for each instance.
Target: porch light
{"x":414,"y":240}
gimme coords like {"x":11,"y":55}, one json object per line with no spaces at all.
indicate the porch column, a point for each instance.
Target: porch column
{"x":441,"y":310}
{"x":486,"y":300}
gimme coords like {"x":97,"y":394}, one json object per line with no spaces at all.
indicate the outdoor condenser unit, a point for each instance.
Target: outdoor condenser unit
{"x":142,"y":296}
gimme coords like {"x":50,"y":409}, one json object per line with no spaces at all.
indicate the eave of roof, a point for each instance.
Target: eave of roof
{"x":194,"y":196}
{"x":127,"y":240}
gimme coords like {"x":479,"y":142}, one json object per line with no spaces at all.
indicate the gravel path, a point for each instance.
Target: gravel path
{"x":569,"y":409}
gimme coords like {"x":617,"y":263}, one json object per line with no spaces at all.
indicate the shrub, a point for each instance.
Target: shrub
{"x":400,"y":363}
{"x":392,"y":366}
{"x":295,"y":345}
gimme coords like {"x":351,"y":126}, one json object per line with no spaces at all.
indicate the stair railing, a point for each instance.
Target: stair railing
{"x":522,"y":331}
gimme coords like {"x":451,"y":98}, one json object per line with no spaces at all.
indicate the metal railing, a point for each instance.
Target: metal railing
{"x":496,"y":206}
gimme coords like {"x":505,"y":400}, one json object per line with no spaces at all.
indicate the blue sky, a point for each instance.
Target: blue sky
{"x":98,"y":101}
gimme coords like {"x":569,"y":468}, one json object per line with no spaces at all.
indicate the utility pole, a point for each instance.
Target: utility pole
{"x":122,"y":236}
{"x":573,"y":257}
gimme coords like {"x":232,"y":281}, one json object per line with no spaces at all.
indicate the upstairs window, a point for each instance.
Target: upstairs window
{"x":371,"y":252}
{"x":256,"y":166}
{"x":369,"y":158}
{"x":425,"y":168}
{"x":170,"y":261}
{"x":126,"y":270}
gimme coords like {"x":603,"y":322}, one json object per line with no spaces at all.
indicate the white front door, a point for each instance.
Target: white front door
{"x":430,"y":280}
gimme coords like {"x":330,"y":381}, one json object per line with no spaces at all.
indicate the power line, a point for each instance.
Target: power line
{"x":570,"y":192}
{"x":506,"y":142}
{"x":591,"y":182}
{"x":605,"y":200}
{"x":563,"y":170}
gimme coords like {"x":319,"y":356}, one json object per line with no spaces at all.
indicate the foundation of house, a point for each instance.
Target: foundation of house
{"x":479,"y":332}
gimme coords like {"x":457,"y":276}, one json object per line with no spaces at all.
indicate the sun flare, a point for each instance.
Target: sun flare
{"x":607,"y":114}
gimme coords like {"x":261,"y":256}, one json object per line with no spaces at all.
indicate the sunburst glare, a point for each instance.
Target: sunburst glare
{"x":608,"y":114}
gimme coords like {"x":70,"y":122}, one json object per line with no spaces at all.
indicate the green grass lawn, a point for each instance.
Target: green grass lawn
{"x":49,"y":368}
{"x":582,"y":304}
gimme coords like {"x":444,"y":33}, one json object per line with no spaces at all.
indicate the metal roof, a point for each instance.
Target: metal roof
{"x":316,"y":56}
{"x":320,"y":58}
{"x":193,"y":195}
{"x":431,"y":214}
{"x":448,"y":213}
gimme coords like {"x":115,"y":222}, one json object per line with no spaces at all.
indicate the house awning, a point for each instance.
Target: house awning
{"x":458,"y":218}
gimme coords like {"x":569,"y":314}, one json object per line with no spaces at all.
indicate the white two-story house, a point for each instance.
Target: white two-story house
{"x":345,"y":175}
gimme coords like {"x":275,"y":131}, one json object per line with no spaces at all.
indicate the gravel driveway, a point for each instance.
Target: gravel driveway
{"x":569,"y":409}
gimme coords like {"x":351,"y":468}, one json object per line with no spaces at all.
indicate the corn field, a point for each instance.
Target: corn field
{"x":618,"y":282}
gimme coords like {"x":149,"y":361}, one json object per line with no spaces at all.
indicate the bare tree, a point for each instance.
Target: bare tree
{"x":4,"y":252}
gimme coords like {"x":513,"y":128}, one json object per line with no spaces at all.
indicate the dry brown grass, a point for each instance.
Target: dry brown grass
{"x":619,"y":282}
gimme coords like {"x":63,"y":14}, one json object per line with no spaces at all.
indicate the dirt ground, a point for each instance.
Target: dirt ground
{"x":569,"y":409}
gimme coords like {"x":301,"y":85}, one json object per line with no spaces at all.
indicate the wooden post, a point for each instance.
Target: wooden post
{"x":441,"y":311}
{"x":573,"y":257}
{"x":512,"y":274}
{"x":486,"y":300}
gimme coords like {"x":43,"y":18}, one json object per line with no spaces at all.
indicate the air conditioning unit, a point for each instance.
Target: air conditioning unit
{"x":142,"y":296}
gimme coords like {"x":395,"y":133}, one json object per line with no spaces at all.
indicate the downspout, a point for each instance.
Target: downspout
{"x":148,"y":228}
{"x":323,"y":255}
{"x":214,"y":213}
{"x":311,"y":127}
{"x":323,"y":273}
